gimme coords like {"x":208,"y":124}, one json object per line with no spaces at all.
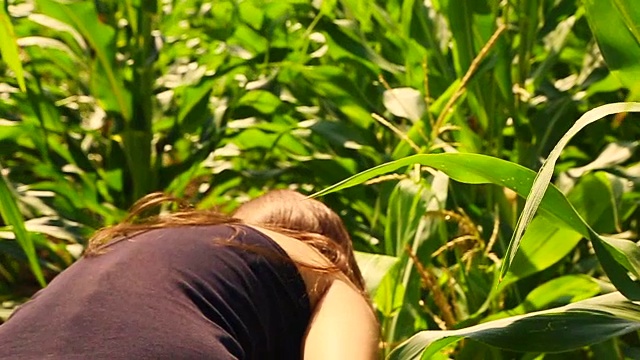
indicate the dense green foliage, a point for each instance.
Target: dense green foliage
{"x":439,"y":113}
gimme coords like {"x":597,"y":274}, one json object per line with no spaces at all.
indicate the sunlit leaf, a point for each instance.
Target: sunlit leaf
{"x":106,"y":79}
{"x":9,"y":47}
{"x":615,"y":26}
{"x":613,"y":154}
{"x":261,"y":100}
{"x":560,"y":291}
{"x":542,"y":182}
{"x":373,"y":268}
{"x":560,"y":329}
{"x":476,"y":169}
{"x":546,"y":241}
{"x":404,"y":102}
{"x":544,"y":244}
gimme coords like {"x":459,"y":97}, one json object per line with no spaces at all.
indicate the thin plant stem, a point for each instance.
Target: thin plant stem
{"x":383,"y":178}
{"x":397,"y":131}
{"x":438,"y":296}
{"x":494,"y":234}
{"x":427,"y":98}
{"x":475,"y":64}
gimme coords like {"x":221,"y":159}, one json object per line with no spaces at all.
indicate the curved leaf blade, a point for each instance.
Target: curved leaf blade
{"x":9,"y":46}
{"x":12,"y":216}
{"x":543,"y":178}
{"x":556,"y":292}
{"x":477,"y":169}
{"x":482,"y":169}
{"x":106,"y":80}
{"x":590,"y":321}
{"x":543,"y":245}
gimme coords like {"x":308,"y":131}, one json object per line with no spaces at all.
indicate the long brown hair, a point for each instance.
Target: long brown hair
{"x":285,"y":211}
{"x":308,"y":220}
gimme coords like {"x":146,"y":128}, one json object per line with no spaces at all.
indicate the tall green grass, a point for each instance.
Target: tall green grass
{"x":441,"y":111}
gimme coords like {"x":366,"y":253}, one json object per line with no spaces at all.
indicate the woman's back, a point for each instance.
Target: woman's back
{"x":174,"y":293}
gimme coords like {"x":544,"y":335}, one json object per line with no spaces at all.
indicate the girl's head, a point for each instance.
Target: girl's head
{"x":294,"y":212}
{"x":286,"y":211}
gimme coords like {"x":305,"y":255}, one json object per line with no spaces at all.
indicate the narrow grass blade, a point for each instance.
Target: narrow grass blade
{"x":12,"y":216}
{"x":9,"y":46}
{"x":106,"y":82}
{"x":543,"y":178}
{"x":477,"y":169}
{"x":480,"y":169}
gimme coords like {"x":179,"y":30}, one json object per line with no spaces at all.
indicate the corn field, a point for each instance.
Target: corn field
{"x":482,"y":153}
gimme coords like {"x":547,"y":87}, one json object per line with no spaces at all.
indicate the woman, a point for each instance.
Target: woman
{"x":278,"y":280}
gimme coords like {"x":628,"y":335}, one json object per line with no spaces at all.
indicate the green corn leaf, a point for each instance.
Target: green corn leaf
{"x":559,"y":291}
{"x":546,"y":241}
{"x":542,"y":182}
{"x":9,"y":46}
{"x":476,"y":169}
{"x":194,"y":104}
{"x":374,"y":267}
{"x":544,"y":244}
{"x":407,"y":227}
{"x":263,"y":101}
{"x":617,"y":261}
{"x":561,"y":329}
{"x":12,"y":216}
{"x":106,"y":80}
{"x":616,"y":27}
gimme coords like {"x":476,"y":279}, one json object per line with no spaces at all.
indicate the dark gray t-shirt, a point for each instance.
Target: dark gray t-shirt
{"x":174,"y":293}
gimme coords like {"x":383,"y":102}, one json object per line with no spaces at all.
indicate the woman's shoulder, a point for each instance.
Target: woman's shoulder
{"x":309,"y":262}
